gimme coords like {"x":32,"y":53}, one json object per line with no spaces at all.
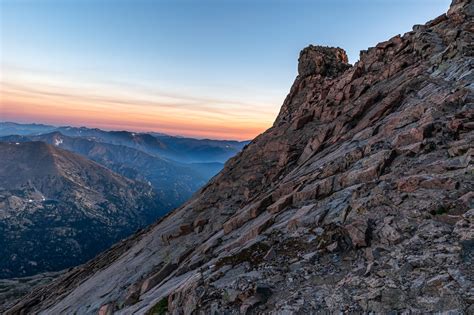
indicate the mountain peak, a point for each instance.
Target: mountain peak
{"x":358,"y":199}
{"x":460,"y":10}
{"x":325,"y":61}
{"x":77,"y":208}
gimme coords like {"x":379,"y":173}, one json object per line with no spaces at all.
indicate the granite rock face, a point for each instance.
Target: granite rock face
{"x":358,"y":199}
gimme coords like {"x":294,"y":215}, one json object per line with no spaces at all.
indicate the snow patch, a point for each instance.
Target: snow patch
{"x":58,"y":141}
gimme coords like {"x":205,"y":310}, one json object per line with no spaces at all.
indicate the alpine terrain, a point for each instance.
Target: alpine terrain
{"x":359,"y":198}
{"x":58,"y":209}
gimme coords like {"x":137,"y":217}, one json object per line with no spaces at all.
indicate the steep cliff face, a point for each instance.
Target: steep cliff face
{"x":359,"y":198}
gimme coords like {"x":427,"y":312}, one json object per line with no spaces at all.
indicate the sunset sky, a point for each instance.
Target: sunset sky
{"x":215,"y":69}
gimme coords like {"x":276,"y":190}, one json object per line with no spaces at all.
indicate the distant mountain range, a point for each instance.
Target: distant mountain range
{"x":73,"y":192}
{"x":176,"y":167}
{"x":173,"y":182}
{"x":185,"y":150}
{"x":59,"y":209}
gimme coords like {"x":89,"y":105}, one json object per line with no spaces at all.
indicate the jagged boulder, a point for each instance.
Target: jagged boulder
{"x":325,"y":61}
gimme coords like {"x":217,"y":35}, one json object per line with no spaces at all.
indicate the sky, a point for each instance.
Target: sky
{"x":207,"y":69}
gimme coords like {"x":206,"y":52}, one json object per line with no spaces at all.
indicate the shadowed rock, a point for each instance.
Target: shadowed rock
{"x":357,"y":200}
{"x":325,"y":61}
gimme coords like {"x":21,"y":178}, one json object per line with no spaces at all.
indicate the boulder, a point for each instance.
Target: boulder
{"x":320,"y":60}
{"x":358,"y":232}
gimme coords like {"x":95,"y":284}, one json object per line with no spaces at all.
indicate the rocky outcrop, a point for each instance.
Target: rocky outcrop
{"x":358,"y":199}
{"x":324,"y":61}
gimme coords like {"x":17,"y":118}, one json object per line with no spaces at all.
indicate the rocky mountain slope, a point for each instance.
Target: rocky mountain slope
{"x":58,"y":209}
{"x":359,"y":198}
{"x":13,"y":288}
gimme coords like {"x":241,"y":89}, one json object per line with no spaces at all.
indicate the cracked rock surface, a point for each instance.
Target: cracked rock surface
{"x":359,"y":198}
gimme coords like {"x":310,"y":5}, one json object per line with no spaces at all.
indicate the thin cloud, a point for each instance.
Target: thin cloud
{"x":141,"y":109}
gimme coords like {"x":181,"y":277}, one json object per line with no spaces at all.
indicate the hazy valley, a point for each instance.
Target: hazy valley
{"x":64,"y":199}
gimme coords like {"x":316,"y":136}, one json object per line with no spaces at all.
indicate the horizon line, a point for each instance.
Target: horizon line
{"x":149,"y":132}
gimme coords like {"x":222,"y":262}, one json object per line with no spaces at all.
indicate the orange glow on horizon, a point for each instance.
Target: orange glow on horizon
{"x":170,"y":114}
